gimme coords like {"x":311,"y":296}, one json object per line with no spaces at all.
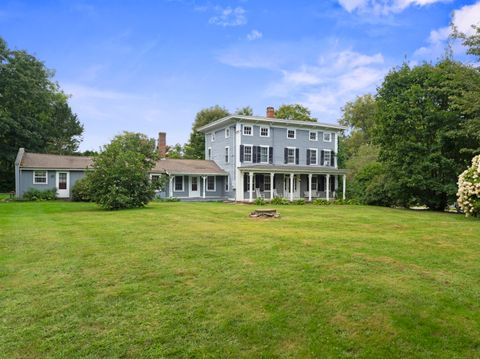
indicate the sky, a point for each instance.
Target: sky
{"x":150,"y":66}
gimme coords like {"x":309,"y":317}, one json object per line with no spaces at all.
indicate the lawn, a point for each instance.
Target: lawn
{"x":202,"y":280}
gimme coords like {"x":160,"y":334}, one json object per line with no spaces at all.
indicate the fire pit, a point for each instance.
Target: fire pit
{"x":265,"y":213}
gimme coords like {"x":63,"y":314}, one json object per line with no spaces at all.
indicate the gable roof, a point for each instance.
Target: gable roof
{"x":178,"y":166}
{"x":49,"y":161}
{"x":270,"y":121}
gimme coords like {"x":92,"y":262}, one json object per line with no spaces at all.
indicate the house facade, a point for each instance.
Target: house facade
{"x":245,"y":157}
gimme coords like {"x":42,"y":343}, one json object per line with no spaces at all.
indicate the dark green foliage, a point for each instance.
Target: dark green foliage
{"x":294,"y":112}
{"x":34,"y":112}
{"x":280,"y":201}
{"x":299,"y":202}
{"x":195,"y":148}
{"x":168,"y":199}
{"x":244,"y":111}
{"x":120,"y":178}
{"x":81,"y":190}
{"x":259,"y":201}
{"x":368,"y":187}
{"x":34,"y":194}
{"x":321,"y":202}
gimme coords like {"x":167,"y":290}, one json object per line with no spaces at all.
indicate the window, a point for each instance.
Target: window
{"x":327,"y":158}
{"x":314,"y":183}
{"x":312,"y":135}
{"x":264,"y":132}
{"x":227,"y":132}
{"x":227,"y":154}
{"x":40,"y":177}
{"x":178,"y":184}
{"x":291,"y":134}
{"x":209,"y":156}
{"x":327,"y":137}
{"x":211,"y":183}
{"x":264,"y":154}
{"x":247,"y":130}
{"x":291,"y":155}
{"x":227,"y":184}
{"x":213,"y":136}
{"x":313,"y":156}
{"x":266,"y":183}
{"x":247,"y":153}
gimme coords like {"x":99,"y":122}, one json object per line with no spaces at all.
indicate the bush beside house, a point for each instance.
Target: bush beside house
{"x":469,"y":189}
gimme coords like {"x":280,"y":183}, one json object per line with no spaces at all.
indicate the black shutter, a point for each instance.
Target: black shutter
{"x":322,"y":157}
{"x":297,"y":156}
{"x":285,"y":152}
{"x":322,"y":183}
{"x":241,"y":153}
{"x":332,"y":183}
{"x":254,"y":154}
{"x":308,"y":157}
{"x":259,"y":159}
{"x":270,"y":155}
{"x":332,"y":159}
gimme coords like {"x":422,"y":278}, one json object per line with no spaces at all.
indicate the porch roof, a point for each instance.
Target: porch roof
{"x":293,"y":169}
{"x":188,"y":167}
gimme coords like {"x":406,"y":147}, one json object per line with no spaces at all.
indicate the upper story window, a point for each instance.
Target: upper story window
{"x":327,"y":137}
{"x":213,"y":136}
{"x":40,"y":177}
{"x":291,"y":155}
{"x":312,"y":135}
{"x":247,"y":153}
{"x":327,"y":158}
{"x":227,"y":132}
{"x":178,"y":186}
{"x":211,"y":183}
{"x":312,"y":156}
{"x":264,"y":154}
{"x":264,"y":132}
{"x":247,"y":130}
{"x":209,"y":153}
{"x":291,"y":134}
{"x":227,"y":154}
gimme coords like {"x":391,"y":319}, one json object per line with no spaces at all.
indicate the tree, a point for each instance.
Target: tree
{"x":421,"y":132}
{"x":34,"y":112}
{"x":120,"y":176}
{"x":244,"y":111}
{"x":175,"y":151}
{"x":471,"y":42}
{"x":195,"y":148}
{"x":294,"y":112}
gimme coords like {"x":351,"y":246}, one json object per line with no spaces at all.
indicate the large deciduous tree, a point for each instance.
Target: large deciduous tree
{"x":294,"y":112}
{"x":120,"y":177}
{"x":34,"y":112}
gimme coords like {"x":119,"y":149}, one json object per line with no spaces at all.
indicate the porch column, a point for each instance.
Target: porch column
{"x":250,"y":187}
{"x":344,"y":185}
{"x":327,"y":184}
{"x":291,"y":186}
{"x":272,"y":178}
{"x":204,"y":185}
{"x":310,"y":187}
{"x":170,"y":186}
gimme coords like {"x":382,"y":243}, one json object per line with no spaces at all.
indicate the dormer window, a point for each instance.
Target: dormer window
{"x":312,"y":135}
{"x":327,"y":137}
{"x":247,"y":130}
{"x":264,"y":132}
{"x":291,"y":134}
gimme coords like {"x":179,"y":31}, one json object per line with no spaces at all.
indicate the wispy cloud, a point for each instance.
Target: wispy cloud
{"x":383,"y":7}
{"x":228,"y":16}
{"x":254,"y":35}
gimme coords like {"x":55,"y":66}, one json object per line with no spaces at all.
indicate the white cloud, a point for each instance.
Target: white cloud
{"x":229,"y":16}
{"x":254,"y":35}
{"x":383,"y":7}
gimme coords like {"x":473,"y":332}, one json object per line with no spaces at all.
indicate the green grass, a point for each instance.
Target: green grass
{"x":201,"y":280}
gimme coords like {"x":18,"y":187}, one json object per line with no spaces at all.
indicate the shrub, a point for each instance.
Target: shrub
{"x":168,"y":199}
{"x":259,"y":201}
{"x":37,"y":195}
{"x":469,"y":189}
{"x":300,"y":201}
{"x":280,"y":201}
{"x":81,"y":190}
{"x":321,"y":202}
{"x":346,"y":201}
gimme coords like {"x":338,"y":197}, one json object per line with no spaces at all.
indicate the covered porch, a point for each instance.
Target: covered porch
{"x":293,"y":183}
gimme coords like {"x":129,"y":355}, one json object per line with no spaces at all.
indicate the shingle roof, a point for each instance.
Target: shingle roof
{"x":48,"y":161}
{"x":293,"y":169}
{"x":177,"y":166}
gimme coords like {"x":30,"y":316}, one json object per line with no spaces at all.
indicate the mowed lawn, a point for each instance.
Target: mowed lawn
{"x":202,"y":280}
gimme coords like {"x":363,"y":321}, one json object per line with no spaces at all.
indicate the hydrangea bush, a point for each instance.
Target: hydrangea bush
{"x":469,"y":189}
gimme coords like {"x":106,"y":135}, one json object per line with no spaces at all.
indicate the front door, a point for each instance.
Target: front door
{"x":63,"y":187}
{"x":194,"y":186}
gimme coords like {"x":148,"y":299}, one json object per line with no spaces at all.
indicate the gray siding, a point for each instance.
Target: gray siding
{"x":26,"y":180}
{"x":218,"y":193}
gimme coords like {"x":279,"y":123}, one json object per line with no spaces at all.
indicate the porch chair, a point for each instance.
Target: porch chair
{"x":258,"y":194}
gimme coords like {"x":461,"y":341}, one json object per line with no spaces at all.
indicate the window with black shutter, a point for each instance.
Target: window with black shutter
{"x":308,"y":157}
{"x":332,"y":159}
{"x":241,"y":153}
{"x":297,"y":156}
{"x":255,"y":152}
{"x":270,"y":155}
{"x":286,"y":155}
{"x":322,"y":157}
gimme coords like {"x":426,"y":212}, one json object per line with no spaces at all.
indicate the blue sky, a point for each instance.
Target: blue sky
{"x":149,"y":66}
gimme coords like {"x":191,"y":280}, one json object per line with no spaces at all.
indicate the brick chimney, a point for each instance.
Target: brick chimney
{"x":270,"y":112}
{"x":162,"y":144}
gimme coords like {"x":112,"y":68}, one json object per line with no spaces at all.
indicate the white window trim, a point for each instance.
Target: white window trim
{"x":251,"y":153}
{"x":46,"y":177}
{"x":227,"y":154}
{"x":268,"y":131}
{"x":330,"y":161}
{"x":227,"y":132}
{"x":227,"y":186}
{"x":316,"y":135}
{"x":183,"y":184}
{"x":316,"y":156}
{"x":251,"y":130}
{"x":294,"y":156}
{"x":214,"y":184}
{"x":268,"y":154}
{"x":316,"y":183}
{"x":324,"y":140}
{"x":294,"y":133}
